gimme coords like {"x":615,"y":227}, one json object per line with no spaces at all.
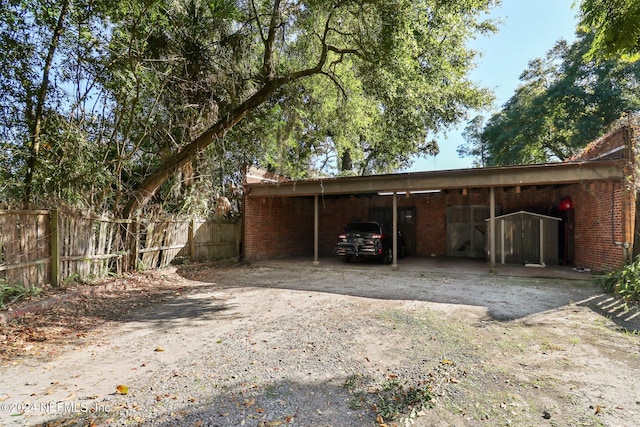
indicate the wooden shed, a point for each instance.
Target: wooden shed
{"x":527,"y":238}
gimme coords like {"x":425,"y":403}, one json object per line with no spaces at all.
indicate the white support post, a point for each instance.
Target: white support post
{"x":502,"y":251}
{"x":541,"y":242}
{"x":492,"y":227}
{"x":315,"y":231}
{"x":394,"y":264}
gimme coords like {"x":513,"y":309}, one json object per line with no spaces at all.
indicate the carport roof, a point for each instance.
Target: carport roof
{"x":511,"y":176}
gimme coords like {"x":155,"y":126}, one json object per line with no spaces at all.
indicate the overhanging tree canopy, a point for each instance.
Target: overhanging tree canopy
{"x":410,"y":57}
{"x":616,"y":26}
{"x":160,"y":83}
{"x":563,"y":103}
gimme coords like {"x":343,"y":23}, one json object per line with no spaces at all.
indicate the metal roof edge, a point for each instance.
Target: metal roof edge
{"x":503,"y":176}
{"x":526,"y":213}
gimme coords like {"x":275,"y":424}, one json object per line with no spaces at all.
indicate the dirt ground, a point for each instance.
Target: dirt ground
{"x":283,"y":343}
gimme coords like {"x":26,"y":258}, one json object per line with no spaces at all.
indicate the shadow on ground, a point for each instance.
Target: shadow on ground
{"x":626,"y":316}
{"x":509,"y":293}
{"x":183,"y":310}
{"x":278,"y":403}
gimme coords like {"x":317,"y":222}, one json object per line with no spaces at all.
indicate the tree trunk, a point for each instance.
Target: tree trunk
{"x":346,"y":164}
{"x":150,"y":185}
{"x":35,"y":127}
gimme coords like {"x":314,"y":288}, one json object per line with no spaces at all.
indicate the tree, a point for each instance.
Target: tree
{"x":36,"y":113}
{"x":54,"y":118}
{"x":102,"y":115}
{"x":33,"y":90}
{"x":163,"y":101}
{"x":410,"y":56}
{"x":615,"y":23}
{"x":475,"y":146}
{"x":564,"y":103}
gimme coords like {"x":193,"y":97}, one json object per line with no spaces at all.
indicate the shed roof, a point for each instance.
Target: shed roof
{"x":510,"y":176}
{"x":527,"y":214}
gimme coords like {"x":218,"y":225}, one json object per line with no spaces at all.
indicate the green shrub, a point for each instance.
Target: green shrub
{"x":624,"y":282}
{"x":13,"y":292}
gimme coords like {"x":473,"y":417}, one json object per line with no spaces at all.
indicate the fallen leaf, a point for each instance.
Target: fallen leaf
{"x":597,"y":409}
{"x":159,"y":349}
{"x":122,"y":389}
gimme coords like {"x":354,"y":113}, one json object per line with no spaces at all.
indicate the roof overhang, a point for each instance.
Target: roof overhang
{"x":545,"y":174}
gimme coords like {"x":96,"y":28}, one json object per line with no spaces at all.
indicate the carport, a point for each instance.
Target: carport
{"x":517,"y":186}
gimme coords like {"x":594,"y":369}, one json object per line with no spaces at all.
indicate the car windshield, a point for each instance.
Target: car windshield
{"x":365,"y":227}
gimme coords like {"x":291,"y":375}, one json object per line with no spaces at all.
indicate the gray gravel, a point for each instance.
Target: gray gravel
{"x":261,"y":346}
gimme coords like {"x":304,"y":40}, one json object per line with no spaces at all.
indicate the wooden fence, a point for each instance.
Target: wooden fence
{"x":38,"y":247}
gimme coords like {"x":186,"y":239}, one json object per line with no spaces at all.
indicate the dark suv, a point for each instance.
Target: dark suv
{"x":368,"y":239}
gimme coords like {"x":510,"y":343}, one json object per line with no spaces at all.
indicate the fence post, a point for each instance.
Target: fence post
{"x":54,"y":265}
{"x":135,"y":244}
{"x":192,"y":241}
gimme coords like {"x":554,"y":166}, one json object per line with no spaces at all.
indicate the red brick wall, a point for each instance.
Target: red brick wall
{"x":601,"y":226}
{"x":431,"y":215}
{"x":284,"y":226}
{"x":605,"y":211}
{"x":277,"y":226}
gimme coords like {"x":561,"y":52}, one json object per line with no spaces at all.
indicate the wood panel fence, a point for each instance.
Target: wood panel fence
{"x":38,"y":247}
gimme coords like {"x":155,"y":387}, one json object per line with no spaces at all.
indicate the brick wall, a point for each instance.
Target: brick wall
{"x":277,"y":226}
{"x":602,"y":224}
{"x":283,"y":226}
{"x":605,"y":211}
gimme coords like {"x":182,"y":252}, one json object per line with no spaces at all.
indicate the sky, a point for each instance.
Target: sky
{"x":528,"y":30}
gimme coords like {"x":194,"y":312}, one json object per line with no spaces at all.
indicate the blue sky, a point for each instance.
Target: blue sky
{"x":528,"y":30}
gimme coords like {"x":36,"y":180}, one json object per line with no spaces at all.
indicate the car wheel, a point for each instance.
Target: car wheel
{"x":388,"y":256}
{"x":401,"y":253}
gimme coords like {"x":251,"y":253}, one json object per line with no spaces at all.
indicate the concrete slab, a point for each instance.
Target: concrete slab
{"x":439,"y":265}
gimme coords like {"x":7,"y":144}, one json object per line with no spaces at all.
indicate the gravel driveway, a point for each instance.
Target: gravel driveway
{"x":282,"y":343}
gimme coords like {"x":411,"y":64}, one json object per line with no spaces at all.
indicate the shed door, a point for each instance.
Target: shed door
{"x":527,"y":239}
{"x":466,"y":231}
